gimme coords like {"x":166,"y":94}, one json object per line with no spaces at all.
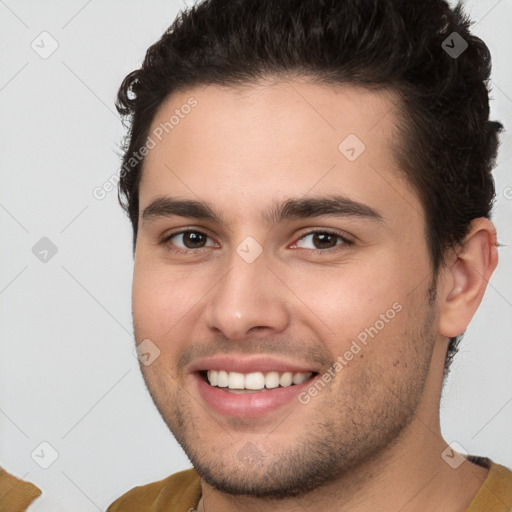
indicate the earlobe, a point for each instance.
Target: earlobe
{"x":465,"y":279}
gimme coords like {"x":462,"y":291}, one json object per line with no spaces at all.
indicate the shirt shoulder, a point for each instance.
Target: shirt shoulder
{"x":179,"y":492}
{"x":495,"y":495}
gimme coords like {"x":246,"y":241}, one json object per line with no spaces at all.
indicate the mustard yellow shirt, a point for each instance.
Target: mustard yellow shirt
{"x":181,"y":492}
{"x":15,"y":494}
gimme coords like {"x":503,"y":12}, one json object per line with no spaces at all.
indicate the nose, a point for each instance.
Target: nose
{"x":249,"y":299}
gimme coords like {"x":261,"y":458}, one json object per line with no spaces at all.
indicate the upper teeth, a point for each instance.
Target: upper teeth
{"x":256,"y":380}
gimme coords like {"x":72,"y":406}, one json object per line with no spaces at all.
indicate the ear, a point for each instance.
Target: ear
{"x":465,"y":276}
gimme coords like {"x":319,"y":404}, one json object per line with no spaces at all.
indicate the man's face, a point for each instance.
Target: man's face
{"x":262,"y":276}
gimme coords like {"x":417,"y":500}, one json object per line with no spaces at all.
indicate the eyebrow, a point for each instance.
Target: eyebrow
{"x":339,"y":206}
{"x":169,"y":207}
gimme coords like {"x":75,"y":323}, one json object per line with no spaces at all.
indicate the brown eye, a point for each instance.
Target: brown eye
{"x":193,"y":239}
{"x":322,"y":240}
{"x":189,"y":240}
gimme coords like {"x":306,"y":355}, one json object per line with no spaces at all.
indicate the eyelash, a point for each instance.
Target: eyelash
{"x":345,"y":241}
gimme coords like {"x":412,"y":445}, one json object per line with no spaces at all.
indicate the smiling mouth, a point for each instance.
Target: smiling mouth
{"x":254,"y":382}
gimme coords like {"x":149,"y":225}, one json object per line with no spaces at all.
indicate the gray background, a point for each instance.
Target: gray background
{"x":68,"y":376}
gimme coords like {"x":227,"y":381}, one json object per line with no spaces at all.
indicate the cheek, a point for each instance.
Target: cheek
{"x":363,"y":316}
{"x":351,"y":298}
{"x":162,"y":299}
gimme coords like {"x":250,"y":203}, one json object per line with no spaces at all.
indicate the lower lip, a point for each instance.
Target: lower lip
{"x":248,"y":405}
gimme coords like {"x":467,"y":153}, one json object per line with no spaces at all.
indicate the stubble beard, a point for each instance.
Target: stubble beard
{"x":347,"y":429}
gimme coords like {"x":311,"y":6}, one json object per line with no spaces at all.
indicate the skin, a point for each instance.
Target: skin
{"x":371,"y":438}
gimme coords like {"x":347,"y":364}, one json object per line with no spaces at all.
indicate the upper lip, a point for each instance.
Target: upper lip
{"x":245,"y":364}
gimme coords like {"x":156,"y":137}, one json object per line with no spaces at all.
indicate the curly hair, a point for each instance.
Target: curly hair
{"x":447,"y":146}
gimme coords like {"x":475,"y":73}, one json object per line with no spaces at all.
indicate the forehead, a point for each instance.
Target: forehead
{"x":260,"y":142}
